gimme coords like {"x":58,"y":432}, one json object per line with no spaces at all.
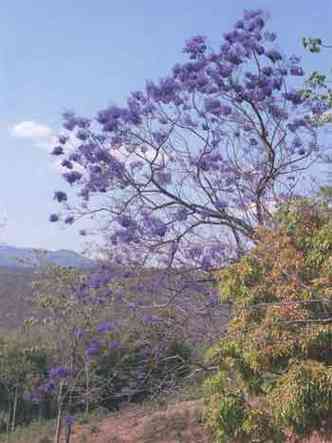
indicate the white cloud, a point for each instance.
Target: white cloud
{"x":31,"y":129}
{"x":40,"y":135}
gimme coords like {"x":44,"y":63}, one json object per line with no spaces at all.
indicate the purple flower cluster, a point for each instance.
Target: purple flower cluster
{"x":187,"y":155}
{"x":105,"y":327}
{"x":60,"y":372}
{"x":93,"y":348}
{"x":60,"y":196}
{"x":69,"y":420}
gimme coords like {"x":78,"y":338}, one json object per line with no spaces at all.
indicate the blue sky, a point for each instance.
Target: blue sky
{"x":83,"y":55}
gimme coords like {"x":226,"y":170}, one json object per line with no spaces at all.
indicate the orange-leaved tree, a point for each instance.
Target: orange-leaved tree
{"x":274,"y":381}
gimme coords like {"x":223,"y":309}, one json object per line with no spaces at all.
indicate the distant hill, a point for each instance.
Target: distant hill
{"x":15,"y":296}
{"x":18,"y":267}
{"x":18,"y":258}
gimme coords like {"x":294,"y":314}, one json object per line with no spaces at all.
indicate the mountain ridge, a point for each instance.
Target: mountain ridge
{"x":21,"y":257}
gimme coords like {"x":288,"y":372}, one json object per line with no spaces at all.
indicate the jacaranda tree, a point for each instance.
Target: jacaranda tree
{"x":191,"y":164}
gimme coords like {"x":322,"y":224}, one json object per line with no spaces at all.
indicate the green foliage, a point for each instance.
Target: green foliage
{"x":302,"y":398}
{"x":312,"y":44}
{"x":317,"y":86}
{"x":21,"y":364}
{"x":275,"y":374}
{"x":35,"y":432}
{"x":129,"y":371}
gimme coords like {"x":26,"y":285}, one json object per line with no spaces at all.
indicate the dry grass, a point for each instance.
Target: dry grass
{"x":175,"y":422}
{"x":34,"y":433}
{"x":180,"y":422}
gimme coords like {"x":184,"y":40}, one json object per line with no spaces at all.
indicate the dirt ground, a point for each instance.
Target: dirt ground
{"x":178,"y":423}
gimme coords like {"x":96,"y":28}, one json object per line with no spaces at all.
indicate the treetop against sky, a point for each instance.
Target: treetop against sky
{"x":51,"y":63}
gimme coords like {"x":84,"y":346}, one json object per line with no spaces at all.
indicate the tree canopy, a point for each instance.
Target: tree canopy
{"x":275,"y":373}
{"x":194,"y":162}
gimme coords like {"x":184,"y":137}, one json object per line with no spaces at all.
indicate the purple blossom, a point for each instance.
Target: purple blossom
{"x":48,"y":387}
{"x":150,"y":319}
{"x":270,"y":36}
{"x":252,"y":13}
{"x":82,"y":135}
{"x":69,"y":220}
{"x":67,"y":164}
{"x":239,"y":24}
{"x":181,"y":214}
{"x":195,"y":252}
{"x":259,"y":49}
{"x":164,"y":177}
{"x":159,"y":229}
{"x":221,"y":204}
{"x":295,"y":97}
{"x":294,"y":59}
{"x":82,"y":122}
{"x":274,"y":55}
{"x":60,"y":196}
{"x":75,"y":157}
{"x":156,"y":226}
{"x":69,"y":420}
{"x":297,"y":71}
{"x":212,"y":105}
{"x":267,"y":70}
{"x":93,"y":348}
{"x":282,"y":71}
{"x":53,"y":218}
{"x":72,"y":176}
{"x":70,"y":120}
{"x":318,"y":107}
{"x":126,"y":221}
{"x":104,"y":327}
{"x":297,"y":142}
{"x":206,"y":263}
{"x":59,"y":372}
{"x":114,"y":344}
{"x":278,"y":113}
{"x":57,"y":150}
{"x":225,"y":110}
{"x":225,"y":70}
{"x":196,"y":46}
{"x":62,"y":139}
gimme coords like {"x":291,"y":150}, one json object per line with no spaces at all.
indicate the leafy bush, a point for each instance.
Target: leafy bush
{"x":275,"y":374}
{"x":52,"y":369}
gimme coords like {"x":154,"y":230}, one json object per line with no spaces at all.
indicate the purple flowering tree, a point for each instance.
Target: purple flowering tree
{"x":181,"y":175}
{"x":70,"y":325}
{"x":184,"y":172}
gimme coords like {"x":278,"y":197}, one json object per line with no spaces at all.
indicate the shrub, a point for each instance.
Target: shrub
{"x":275,"y":374}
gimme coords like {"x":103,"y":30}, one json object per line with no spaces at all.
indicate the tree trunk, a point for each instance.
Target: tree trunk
{"x":8,"y":423}
{"x":68,"y":434}
{"x":87,"y":386}
{"x":58,"y":428}
{"x":13,"y":423}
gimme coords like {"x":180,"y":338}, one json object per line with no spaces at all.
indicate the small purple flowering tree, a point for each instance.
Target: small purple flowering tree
{"x":183,"y":173}
{"x":99,"y":349}
{"x":70,"y":325}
